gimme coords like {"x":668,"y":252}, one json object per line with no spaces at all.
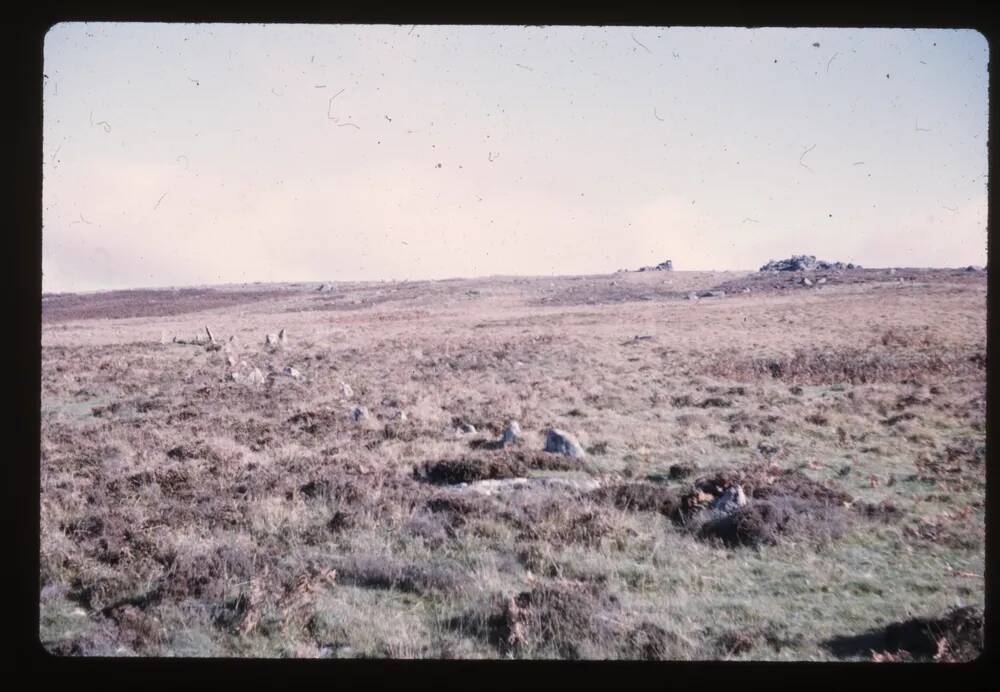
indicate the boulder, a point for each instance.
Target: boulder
{"x":359,"y":413}
{"x":562,"y":442}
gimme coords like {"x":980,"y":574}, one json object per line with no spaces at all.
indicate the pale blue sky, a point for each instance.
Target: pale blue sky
{"x":179,"y":154}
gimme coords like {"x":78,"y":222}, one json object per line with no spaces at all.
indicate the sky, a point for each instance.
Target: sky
{"x":196,"y":154}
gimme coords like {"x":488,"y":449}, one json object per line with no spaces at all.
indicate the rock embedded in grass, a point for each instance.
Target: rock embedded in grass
{"x":511,"y":434}
{"x":562,"y":442}
{"x":360,"y":413}
{"x":730,"y":500}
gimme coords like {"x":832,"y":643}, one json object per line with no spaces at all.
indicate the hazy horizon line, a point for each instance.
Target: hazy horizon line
{"x":463,"y":278}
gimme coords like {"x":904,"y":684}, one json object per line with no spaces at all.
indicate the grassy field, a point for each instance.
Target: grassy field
{"x":188,"y":513}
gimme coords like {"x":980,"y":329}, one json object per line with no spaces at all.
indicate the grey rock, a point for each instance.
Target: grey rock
{"x":803,"y":263}
{"x":562,"y":442}
{"x":692,"y":296}
{"x":346,"y":390}
{"x":256,"y":377}
{"x":665,"y":266}
{"x":467,"y":428}
{"x":511,"y":434}
{"x":359,"y":413}
{"x":292,"y":372}
{"x":806,"y":281}
{"x":729,"y":501}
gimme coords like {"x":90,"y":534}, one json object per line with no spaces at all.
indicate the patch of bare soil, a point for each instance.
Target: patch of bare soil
{"x":955,"y":637}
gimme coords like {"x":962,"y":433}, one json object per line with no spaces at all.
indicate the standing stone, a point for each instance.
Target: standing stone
{"x":282,"y":337}
{"x":211,"y":339}
{"x":562,"y":442}
{"x":511,"y":434}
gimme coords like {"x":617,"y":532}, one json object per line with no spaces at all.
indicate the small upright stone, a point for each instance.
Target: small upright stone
{"x":511,"y":434}
{"x":359,"y":413}
{"x":562,"y":442}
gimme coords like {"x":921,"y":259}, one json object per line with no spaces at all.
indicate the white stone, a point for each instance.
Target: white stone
{"x":511,"y":434}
